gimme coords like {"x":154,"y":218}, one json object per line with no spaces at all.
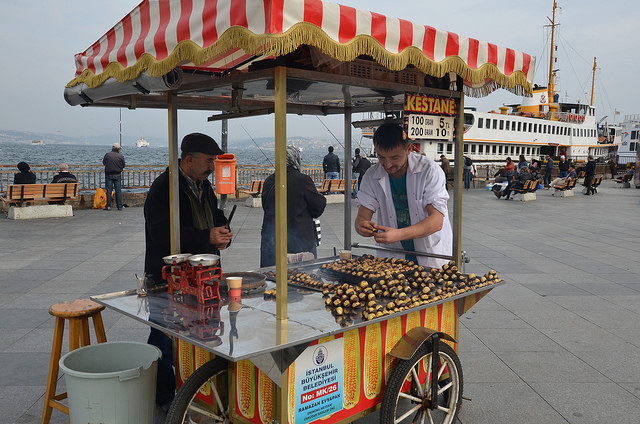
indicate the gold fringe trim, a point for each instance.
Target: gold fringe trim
{"x":309,"y":34}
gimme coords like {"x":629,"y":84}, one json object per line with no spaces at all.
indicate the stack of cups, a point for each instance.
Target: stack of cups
{"x":235,"y":288}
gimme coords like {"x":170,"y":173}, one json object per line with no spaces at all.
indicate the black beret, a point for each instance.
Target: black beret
{"x":200,"y":143}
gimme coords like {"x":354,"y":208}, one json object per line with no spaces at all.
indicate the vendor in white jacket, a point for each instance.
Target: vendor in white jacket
{"x":408,"y":193}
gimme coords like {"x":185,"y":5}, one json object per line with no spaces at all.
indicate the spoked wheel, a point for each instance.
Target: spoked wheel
{"x":408,"y":401}
{"x":186,"y":409}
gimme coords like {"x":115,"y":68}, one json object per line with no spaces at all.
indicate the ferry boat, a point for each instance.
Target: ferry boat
{"x":141,"y":142}
{"x":37,"y":143}
{"x":540,"y":125}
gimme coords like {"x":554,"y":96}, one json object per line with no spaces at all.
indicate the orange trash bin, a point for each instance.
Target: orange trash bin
{"x":226,"y":173}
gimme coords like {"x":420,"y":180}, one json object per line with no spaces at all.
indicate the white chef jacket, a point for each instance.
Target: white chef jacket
{"x":426,"y":185}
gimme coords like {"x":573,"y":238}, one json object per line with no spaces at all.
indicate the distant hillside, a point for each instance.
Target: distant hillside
{"x":265,"y":143}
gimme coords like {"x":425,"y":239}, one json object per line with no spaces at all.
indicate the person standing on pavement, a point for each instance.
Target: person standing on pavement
{"x":548,"y":170}
{"x":364,"y":165}
{"x":563,"y":167}
{"x":331,"y":165}
{"x":355,"y":171}
{"x":113,"y":163}
{"x":467,"y":164}
{"x":589,"y":173}
{"x":613,"y":167}
{"x":304,"y":203}
{"x":408,"y":194}
{"x":202,"y":230}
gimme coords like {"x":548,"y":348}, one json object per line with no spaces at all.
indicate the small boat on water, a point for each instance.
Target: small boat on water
{"x":141,"y":142}
{"x":37,"y":143}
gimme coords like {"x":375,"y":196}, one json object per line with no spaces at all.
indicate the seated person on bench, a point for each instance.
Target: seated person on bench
{"x":500,"y":176}
{"x":562,"y":182}
{"x":517,"y":183}
{"x":628,"y":176}
{"x":25,"y":176}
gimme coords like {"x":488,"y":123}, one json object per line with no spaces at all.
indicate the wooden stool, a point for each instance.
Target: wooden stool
{"x":78,"y":313}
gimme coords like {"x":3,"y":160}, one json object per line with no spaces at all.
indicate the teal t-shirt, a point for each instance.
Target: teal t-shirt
{"x":401,"y":204}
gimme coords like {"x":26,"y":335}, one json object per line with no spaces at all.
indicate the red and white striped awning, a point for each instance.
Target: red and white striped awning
{"x":218,"y":35}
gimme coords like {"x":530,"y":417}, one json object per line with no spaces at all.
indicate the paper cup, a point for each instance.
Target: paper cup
{"x":345,"y":254}
{"x":235,"y":287}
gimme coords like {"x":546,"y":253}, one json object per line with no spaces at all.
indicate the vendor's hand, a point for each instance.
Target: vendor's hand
{"x":387,"y":235}
{"x":366,"y":228}
{"x":220,"y":237}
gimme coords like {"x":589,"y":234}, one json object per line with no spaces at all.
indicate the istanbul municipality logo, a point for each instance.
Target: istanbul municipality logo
{"x":320,"y":355}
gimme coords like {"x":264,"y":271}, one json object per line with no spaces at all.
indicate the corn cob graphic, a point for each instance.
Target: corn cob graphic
{"x":186,"y":360}
{"x":245,"y":383}
{"x":291,"y":400}
{"x":372,"y":361}
{"x":352,"y":372}
{"x":265,"y":398}
{"x":202,"y":357}
{"x":394,"y":330}
{"x":413,"y":321}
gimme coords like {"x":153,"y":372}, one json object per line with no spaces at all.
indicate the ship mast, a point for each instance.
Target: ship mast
{"x":593,"y":80}
{"x":550,"y":88}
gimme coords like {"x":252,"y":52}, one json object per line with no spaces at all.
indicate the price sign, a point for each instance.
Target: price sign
{"x":425,"y":127}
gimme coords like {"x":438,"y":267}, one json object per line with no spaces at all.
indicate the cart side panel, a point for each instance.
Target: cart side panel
{"x":367,"y":367}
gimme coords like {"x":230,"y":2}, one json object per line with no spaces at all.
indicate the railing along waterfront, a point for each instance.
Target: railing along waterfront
{"x":139,"y":177}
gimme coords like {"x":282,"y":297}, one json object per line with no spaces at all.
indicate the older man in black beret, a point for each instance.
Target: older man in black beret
{"x":202,"y":230}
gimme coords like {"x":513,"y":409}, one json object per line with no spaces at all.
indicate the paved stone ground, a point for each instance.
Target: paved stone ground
{"x":559,"y":343}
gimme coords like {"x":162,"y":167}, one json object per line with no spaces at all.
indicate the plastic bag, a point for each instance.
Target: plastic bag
{"x":99,"y":199}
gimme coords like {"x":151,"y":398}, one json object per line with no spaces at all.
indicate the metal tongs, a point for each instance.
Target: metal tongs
{"x":233,"y":210}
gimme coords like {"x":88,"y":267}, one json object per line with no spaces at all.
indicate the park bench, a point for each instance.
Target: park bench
{"x":328,"y":186}
{"x":595,"y":184}
{"x":625,"y":180}
{"x":567,"y":189}
{"x":527,"y":192}
{"x":255,"y":189}
{"x":20,"y":197}
{"x":341,"y":186}
{"x":21,"y":194}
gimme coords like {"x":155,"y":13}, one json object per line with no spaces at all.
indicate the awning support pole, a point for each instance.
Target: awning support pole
{"x":280,"y":104}
{"x":457,"y":179}
{"x":174,"y":172}
{"x":347,"y":178}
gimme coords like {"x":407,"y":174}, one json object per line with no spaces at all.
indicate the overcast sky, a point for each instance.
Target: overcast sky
{"x":40,"y":38}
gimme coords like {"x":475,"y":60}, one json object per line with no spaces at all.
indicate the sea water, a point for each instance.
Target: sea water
{"x":54,"y":154}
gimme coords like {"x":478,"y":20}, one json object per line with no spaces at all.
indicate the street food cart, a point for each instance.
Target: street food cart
{"x":253,"y":359}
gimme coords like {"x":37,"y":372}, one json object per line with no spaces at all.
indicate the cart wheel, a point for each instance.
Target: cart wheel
{"x":185,"y":409}
{"x":406,"y":400}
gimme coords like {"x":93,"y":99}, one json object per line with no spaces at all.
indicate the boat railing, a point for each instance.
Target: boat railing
{"x":140,"y":177}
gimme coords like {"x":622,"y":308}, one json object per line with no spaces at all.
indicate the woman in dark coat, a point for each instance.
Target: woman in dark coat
{"x":303,"y":204}
{"x":25,"y":176}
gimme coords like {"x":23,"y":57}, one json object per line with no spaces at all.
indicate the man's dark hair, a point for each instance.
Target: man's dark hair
{"x":330,"y":149}
{"x":389,"y":136}
{"x":357,"y":151}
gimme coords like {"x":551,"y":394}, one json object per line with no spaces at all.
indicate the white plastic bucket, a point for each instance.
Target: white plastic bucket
{"x":113,"y":382}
